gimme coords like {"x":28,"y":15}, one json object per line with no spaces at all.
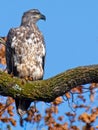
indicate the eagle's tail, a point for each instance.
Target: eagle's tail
{"x":22,"y":105}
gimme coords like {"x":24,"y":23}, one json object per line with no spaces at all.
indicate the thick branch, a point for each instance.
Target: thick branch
{"x":47,"y":90}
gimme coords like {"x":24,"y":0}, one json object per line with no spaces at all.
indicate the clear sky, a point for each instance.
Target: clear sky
{"x":70,"y":31}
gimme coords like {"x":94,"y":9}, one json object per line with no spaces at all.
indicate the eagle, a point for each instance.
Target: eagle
{"x":25,"y":52}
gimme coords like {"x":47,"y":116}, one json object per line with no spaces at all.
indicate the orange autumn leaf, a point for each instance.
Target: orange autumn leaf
{"x":70,"y":114}
{"x":85,"y":118}
{"x":57,"y":101}
{"x":1,"y":106}
{"x":78,"y":89}
{"x":67,"y":95}
{"x":60,"y":118}
{"x":9,"y":109}
{"x":13,"y":122}
{"x":92,"y":118}
{"x":4,"y":119}
{"x":54,"y":109}
{"x":92,"y":97}
{"x":93,"y":85}
{"x":74,"y":128}
{"x":2,"y":55}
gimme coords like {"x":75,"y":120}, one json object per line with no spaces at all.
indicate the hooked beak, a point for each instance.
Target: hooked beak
{"x":42,"y":17}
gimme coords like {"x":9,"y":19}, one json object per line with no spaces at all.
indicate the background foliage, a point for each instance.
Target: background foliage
{"x":71,"y":35}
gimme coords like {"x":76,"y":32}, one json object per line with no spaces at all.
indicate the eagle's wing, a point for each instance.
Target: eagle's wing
{"x":10,"y":53}
{"x":21,"y":104}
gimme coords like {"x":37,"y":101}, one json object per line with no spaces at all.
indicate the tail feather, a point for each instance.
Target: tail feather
{"x":22,"y":105}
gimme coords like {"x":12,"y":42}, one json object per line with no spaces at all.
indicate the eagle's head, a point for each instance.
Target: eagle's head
{"x":32,"y":16}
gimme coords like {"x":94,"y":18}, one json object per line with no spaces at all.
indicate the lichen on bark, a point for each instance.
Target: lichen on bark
{"x":47,"y":90}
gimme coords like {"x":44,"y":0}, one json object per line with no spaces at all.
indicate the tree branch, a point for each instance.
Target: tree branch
{"x":47,"y":90}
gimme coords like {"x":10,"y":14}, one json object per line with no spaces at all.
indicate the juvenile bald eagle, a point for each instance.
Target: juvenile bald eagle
{"x":25,"y":52}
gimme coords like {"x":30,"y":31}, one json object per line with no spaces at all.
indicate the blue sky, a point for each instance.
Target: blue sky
{"x":70,"y":31}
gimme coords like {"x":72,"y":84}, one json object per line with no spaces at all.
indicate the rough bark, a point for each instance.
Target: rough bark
{"x":47,"y":90}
